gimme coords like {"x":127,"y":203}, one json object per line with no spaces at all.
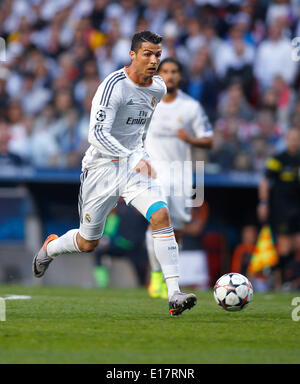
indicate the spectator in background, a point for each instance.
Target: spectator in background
{"x":65,"y":129}
{"x":7,"y":157}
{"x":126,"y":12}
{"x":195,"y":39}
{"x":269,"y":100}
{"x":3,"y":93}
{"x":81,"y":53}
{"x":281,"y":12}
{"x":267,"y":128}
{"x":33,"y":97}
{"x":105,"y":60}
{"x":212,"y":41}
{"x":223,"y":152}
{"x":235,"y":60}
{"x":258,"y":149}
{"x":88,"y":84}
{"x":44,"y":148}
{"x":234,"y":95}
{"x":202,"y":84}
{"x":120,"y":44}
{"x":98,"y":13}
{"x":274,"y":58}
{"x":279,"y":99}
{"x":295,"y":119}
{"x":19,"y":138}
{"x":66,"y":67}
{"x":179,"y":21}
{"x":84,"y":122}
{"x":285,"y":100}
{"x":69,"y":140}
{"x":171,"y":48}
{"x":156,"y":14}
{"x":243,"y":161}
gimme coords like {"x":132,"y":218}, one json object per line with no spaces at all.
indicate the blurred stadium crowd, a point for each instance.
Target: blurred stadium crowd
{"x":237,"y":57}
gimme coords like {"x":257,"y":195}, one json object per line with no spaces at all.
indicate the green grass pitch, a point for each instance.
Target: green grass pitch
{"x":77,"y":325}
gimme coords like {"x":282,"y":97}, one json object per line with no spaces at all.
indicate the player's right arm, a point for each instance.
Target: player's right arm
{"x":105,"y":106}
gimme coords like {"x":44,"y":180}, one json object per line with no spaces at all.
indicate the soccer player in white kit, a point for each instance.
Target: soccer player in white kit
{"x":178,"y":123}
{"x":116,"y":165}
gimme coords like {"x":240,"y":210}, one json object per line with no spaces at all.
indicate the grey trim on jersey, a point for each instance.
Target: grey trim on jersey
{"x":109,"y":87}
{"x":98,"y":130}
{"x":106,"y":94}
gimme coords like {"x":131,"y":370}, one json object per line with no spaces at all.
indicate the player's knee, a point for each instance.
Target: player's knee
{"x":160,"y":219}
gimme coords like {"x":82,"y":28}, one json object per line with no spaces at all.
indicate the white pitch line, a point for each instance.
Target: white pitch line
{"x":16,"y":297}
{"x":2,"y":309}
{"x":9,"y":297}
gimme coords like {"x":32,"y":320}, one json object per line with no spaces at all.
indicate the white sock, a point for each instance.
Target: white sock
{"x":66,"y":243}
{"x":166,"y":250}
{"x":154,"y":263}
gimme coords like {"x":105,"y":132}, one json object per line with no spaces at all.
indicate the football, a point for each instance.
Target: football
{"x":233,"y":292}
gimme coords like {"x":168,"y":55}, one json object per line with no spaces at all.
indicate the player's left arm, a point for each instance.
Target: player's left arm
{"x":202,"y":129}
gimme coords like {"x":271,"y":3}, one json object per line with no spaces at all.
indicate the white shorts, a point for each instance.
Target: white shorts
{"x":101,"y":189}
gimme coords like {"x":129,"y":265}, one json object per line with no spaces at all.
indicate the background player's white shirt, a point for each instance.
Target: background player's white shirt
{"x":120,"y":116}
{"x":162,"y":143}
{"x":185,"y":112}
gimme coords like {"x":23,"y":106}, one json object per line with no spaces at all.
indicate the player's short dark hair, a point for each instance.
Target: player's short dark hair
{"x":144,"y":36}
{"x":173,"y":61}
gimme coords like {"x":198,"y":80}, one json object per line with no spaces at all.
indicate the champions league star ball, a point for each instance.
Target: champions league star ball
{"x":233,"y":292}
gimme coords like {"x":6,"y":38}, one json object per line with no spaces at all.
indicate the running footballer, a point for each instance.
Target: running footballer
{"x":117,"y":165}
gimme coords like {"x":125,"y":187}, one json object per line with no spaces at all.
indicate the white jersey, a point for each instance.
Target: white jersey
{"x":120,"y":116}
{"x":171,"y":156}
{"x":162,"y":143}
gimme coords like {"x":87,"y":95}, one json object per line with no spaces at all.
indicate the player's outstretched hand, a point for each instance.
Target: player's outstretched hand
{"x":145,"y":168}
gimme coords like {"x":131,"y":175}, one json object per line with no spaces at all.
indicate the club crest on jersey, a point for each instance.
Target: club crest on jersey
{"x":100,"y":115}
{"x":88,"y":218}
{"x":153,"y":101}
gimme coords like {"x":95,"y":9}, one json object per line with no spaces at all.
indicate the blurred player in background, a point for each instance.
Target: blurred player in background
{"x":279,"y":195}
{"x":116,"y":164}
{"x":178,"y":123}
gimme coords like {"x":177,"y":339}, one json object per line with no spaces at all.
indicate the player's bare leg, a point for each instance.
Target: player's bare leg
{"x":166,"y":250}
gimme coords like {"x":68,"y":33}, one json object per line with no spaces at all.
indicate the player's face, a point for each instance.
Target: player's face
{"x":147,"y":58}
{"x":171,"y":76}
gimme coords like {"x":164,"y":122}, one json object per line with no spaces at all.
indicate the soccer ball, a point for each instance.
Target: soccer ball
{"x":233,"y":292}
